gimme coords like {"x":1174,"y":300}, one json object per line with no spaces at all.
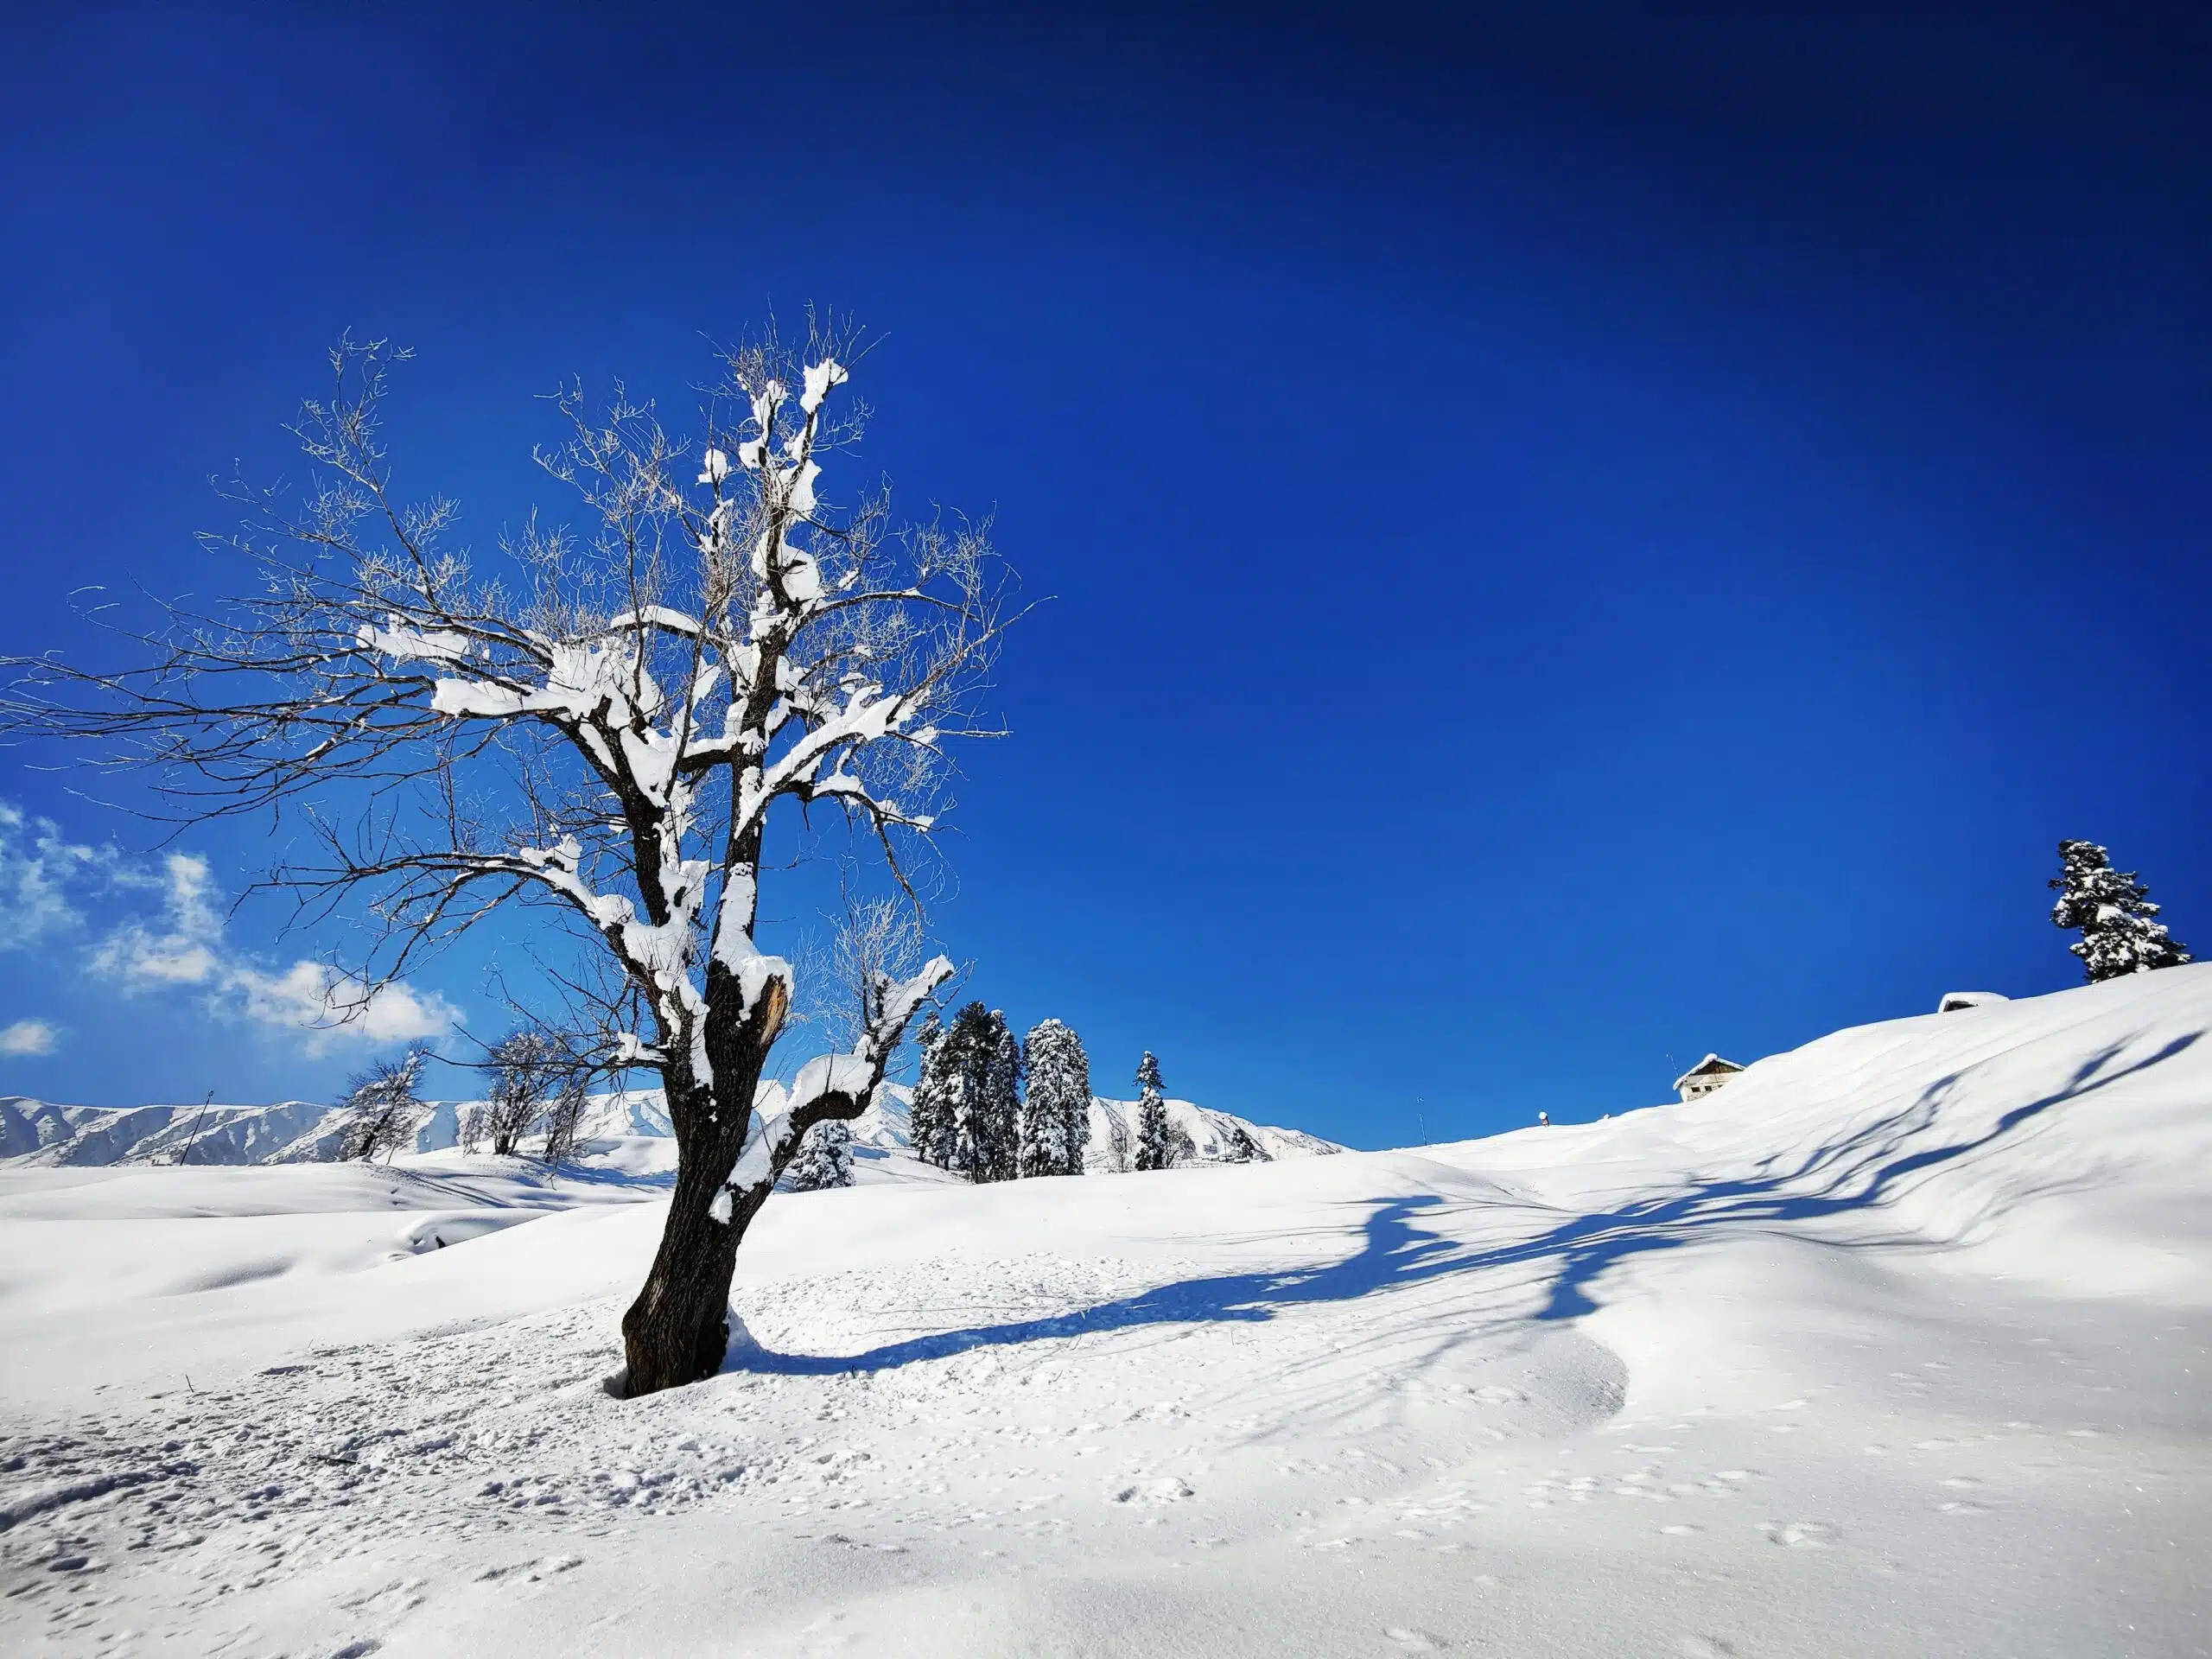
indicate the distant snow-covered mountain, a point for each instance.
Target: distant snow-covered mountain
{"x":630,"y":1129}
{"x":1215,"y":1137}
{"x":34,"y":1132}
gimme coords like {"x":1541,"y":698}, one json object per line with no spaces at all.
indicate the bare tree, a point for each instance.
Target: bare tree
{"x":563,"y":1118}
{"x":383,"y":1110}
{"x":609,"y":727}
{"x":1119,"y":1152}
{"x":527,"y":1066}
{"x":878,"y":947}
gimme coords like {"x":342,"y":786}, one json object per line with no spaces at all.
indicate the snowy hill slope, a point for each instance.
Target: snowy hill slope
{"x":1894,"y":1346}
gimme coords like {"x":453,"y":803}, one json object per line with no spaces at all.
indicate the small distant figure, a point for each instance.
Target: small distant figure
{"x":1543,"y":1120}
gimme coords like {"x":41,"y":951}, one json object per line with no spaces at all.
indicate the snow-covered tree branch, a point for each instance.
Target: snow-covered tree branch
{"x":606,"y":721}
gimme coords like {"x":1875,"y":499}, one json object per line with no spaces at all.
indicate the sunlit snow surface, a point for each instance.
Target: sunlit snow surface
{"x":1894,"y":1345}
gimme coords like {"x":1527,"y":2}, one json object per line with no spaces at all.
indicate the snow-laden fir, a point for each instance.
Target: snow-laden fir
{"x":1894,"y":1345}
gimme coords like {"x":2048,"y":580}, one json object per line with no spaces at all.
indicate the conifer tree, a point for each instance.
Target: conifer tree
{"x":999,"y":1115}
{"x":824,"y":1158}
{"x":941,"y":1096}
{"x":1155,"y":1144}
{"x":966,"y":1113}
{"x":962,"y":1048}
{"x":1056,"y":1113}
{"x":929,"y":1117}
{"x":2114,"y":911}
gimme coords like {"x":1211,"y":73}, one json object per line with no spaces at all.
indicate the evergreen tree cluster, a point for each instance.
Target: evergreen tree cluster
{"x":2113,"y":912}
{"x":967,"y":1111}
{"x":970,"y":1113}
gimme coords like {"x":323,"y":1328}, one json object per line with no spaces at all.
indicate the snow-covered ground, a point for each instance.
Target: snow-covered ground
{"x":1896,"y":1345}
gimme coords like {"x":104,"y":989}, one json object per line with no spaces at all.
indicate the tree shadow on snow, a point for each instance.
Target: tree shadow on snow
{"x":1860,"y":1172}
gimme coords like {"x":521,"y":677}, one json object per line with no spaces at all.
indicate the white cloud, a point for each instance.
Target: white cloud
{"x":312,"y":998}
{"x":324,"y":1007}
{"x":183,"y":954}
{"x":36,"y":867}
{"x":44,"y":879}
{"x":27,"y":1036}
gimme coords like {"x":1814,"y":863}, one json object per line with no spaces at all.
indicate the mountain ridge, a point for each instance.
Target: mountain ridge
{"x":622,"y":1126}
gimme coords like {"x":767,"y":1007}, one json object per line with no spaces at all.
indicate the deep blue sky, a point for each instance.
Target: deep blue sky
{"x":1578,"y":539}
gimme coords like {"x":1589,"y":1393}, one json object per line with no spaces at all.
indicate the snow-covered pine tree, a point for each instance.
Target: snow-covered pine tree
{"x":960,"y":1059}
{"x":1001,"y":1103}
{"x":980,"y":1064}
{"x":2114,"y":911}
{"x":1155,"y":1146}
{"x":930,"y":1116}
{"x":824,"y":1158}
{"x":1056,"y":1114}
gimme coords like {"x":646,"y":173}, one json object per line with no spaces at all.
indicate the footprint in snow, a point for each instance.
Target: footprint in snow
{"x":1168,"y":1490}
{"x":529,"y":1571}
{"x":1704,"y":1646}
{"x":1799,"y":1534}
{"x":1413,"y":1641}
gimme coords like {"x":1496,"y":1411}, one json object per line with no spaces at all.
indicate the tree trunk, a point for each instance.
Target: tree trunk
{"x":677,"y":1331}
